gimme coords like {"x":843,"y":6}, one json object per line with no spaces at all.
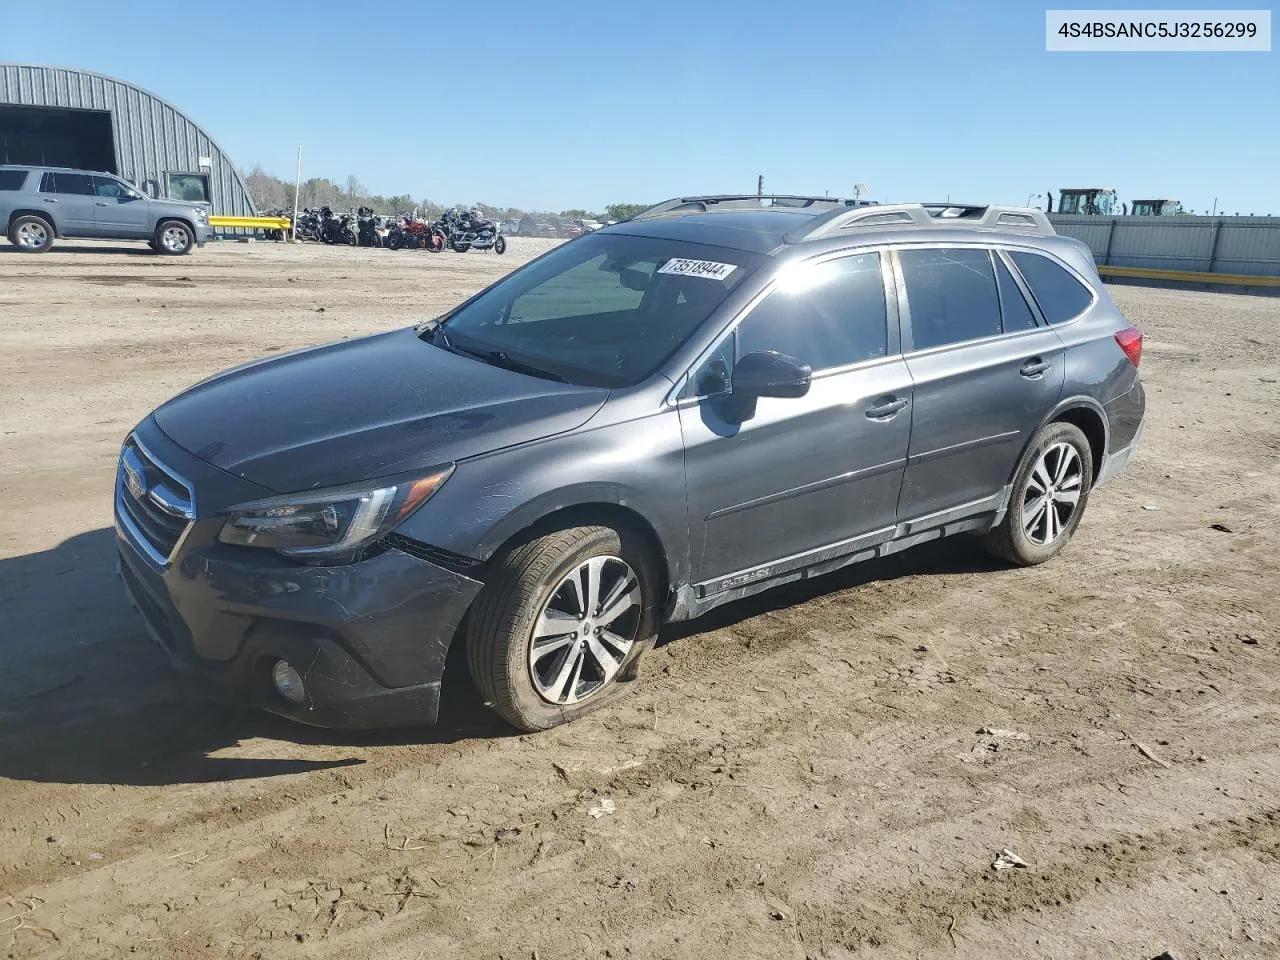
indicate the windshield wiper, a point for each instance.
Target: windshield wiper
{"x":497,"y":358}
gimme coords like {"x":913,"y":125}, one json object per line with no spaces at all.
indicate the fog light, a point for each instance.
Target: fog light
{"x":288,"y":682}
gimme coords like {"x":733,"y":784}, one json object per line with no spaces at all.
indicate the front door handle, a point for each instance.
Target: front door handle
{"x":103,"y":203}
{"x":50,"y":200}
{"x":1034,"y":368}
{"x":886,"y":408}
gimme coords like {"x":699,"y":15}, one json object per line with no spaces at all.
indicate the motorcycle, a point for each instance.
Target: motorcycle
{"x":337,"y":229}
{"x":410,"y":234}
{"x":308,"y":225}
{"x":367,"y":231}
{"x":472,"y":233}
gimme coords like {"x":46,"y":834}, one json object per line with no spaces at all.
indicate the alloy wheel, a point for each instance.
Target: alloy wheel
{"x":32,"y":236}
{"x":585,"y":631}
{"x":174,"y":239}
{"x":1052,"y":493}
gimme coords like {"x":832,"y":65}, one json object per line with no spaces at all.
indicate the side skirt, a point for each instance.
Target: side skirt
{"x":978,"y":516}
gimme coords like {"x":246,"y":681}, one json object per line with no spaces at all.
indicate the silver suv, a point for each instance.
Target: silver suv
{"x":38,"y":204}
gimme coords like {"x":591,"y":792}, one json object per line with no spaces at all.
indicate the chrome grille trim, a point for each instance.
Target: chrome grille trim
{"x":151,"y":521}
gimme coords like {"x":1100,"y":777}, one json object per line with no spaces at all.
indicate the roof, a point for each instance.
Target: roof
{"x":741,"y":223}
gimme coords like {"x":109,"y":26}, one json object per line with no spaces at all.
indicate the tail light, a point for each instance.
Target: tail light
{"x":1130,"y":340}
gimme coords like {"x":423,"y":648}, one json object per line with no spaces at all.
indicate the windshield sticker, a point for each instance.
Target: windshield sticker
{"x":698,"y":268}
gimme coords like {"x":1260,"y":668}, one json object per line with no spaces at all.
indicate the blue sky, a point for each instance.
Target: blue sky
{"x":565,"y":104}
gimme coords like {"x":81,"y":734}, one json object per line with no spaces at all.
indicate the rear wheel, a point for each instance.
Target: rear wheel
{"x":174,"y":238}
{"x":31,"y":234}
{"x":561,"y":626}
{"x":1050,"y":492}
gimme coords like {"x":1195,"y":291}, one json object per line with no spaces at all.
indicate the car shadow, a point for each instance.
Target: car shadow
{"x":67,"y":246}
{"x":87,"y":697}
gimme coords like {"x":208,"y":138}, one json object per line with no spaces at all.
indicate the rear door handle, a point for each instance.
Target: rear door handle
{"x":886,"y":409}
{"x":103,"y":203}
{"x":50,"y":200}
{"x":1034,"y":368}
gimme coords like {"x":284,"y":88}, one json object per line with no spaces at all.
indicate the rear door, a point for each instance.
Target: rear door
{"x":120,"y":211}
{"x":799,"y":475}
{"x":69,"y":197}
{"x":986,"y":373}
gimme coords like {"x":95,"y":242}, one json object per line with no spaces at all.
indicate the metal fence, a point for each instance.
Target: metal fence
{"x":1247,"y":246}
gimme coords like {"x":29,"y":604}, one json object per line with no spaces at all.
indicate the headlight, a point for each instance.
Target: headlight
{"x":326,"y":524}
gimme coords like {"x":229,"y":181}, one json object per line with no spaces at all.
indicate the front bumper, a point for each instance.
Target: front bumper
{"x":204,"y":233}
{"x":370,"y":639}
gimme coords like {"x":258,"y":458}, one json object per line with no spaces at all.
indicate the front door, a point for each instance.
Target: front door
{"x":121,"y":211}
{"x":985,"y":372}
{"x":792,"y":480}
{"x":69,"y":197}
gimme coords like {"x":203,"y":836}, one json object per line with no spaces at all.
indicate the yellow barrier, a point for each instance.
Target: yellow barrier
{"x":1190,"y":276}
{"x":252,"y":223}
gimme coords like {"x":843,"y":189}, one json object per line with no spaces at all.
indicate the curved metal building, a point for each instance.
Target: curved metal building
{"x":56,"y":116}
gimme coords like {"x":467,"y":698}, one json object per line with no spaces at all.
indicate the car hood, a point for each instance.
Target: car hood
{"x":363,"y":409}
{"x":162,"y":205}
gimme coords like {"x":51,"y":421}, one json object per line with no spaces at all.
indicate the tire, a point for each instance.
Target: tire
{"x":500,"y":244}
{"x":31,"y":234}
{"x":459,"y":247}
{"x":1029,"y":535}
{"x":536,"y":691}
{"x":173,"y":238}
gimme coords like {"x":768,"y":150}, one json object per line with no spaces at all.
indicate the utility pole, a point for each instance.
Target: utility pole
{"x":760,"y":186}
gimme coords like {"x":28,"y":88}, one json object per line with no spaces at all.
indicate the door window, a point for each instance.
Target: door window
{"x":75,"y":183}
{"x":1060,"y":295}
{"x":827,"y":314}
{"x":951,"y":294}
{"x":1015,"y":314}
{"x":111,"y":188}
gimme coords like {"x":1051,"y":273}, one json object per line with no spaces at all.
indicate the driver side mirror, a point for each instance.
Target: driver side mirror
{"x":767,"y":373}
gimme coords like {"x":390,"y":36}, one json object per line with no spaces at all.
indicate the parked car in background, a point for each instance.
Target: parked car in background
{"x":691,"y":406}
{"x":510,"y":227}
{"x":587,"y":226}
{"x":527,"y":227}
{"x":40,"y":204}
{"x":547,"y":229}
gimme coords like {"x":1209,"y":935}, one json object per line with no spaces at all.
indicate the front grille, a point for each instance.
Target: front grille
{"x":153,"y":503}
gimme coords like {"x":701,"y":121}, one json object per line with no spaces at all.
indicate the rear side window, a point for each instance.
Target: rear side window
{"x":1060,"y":295}
{"x":77,"y":183}
{"x":825,"y":314}
{"x":1015,"y":315}
{"x":12,"y":179}
{"x":951,"y":294}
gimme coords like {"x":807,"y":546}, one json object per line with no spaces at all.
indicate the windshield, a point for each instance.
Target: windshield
{"x":605,"y":310}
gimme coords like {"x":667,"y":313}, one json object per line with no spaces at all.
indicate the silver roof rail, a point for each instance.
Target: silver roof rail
{"x":746,"y":201}
{"x":992,"y":217}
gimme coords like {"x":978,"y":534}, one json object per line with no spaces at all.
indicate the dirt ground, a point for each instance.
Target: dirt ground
{"x":800,"y":775}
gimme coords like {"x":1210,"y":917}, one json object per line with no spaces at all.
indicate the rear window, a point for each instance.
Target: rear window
{"x":951,"y":294}
{"x":75,"y":183}
{"x":1060,"y":295}
{"x":12,"y":179}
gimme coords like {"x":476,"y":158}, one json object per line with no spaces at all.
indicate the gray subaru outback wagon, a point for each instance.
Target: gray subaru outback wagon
{"x":39,"y":204}
{"x":714,"y":397}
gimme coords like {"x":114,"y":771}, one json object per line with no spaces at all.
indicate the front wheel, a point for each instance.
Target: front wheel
{"x":1050,"y":492}
{"x":500,"y":245}
{"x":173,"y":238}
{"x":562,"y":624}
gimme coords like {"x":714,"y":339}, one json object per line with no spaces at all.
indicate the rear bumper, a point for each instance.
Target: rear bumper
{"x":1127,"y":416}
{"x":369,"y":639}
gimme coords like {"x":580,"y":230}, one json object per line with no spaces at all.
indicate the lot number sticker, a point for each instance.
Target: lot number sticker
{"x":698,"y":268}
